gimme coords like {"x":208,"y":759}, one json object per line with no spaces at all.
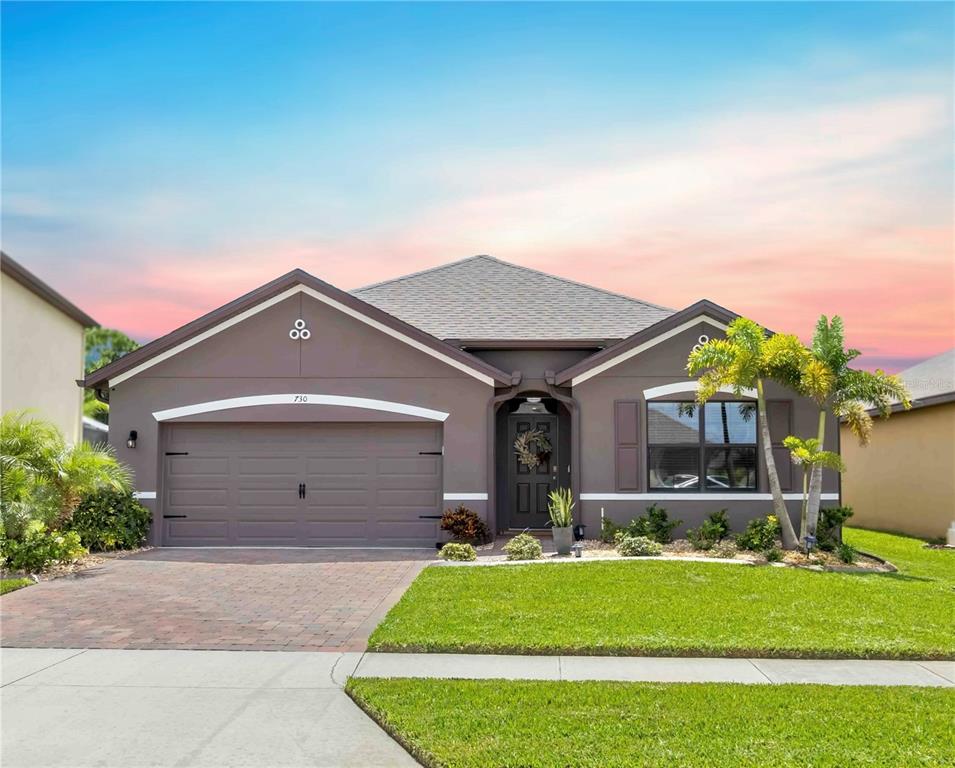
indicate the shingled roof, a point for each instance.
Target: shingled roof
{"x":484,"y":298}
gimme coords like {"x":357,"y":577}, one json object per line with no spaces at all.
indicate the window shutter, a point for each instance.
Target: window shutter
{"x":779,"y":415}
{"x":626,"y":429}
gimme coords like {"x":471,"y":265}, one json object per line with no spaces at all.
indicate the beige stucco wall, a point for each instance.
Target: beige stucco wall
{"x":904,"y":480}
{"x":42,"y":357}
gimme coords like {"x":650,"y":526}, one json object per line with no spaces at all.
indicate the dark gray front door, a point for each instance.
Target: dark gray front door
{"x":345,"y":484}
{"x":528,"y":487}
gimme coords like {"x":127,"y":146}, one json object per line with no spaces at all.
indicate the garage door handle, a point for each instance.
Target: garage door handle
{"x":430,"y":453}
{"x":430,"y":517}
{"x":301,"y":490}
{"x":173,"y":517}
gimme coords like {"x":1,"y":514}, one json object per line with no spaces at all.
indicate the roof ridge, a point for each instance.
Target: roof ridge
{"x":580,"y":285}
{"x":521,"y":267}
{"x":420,"y":272}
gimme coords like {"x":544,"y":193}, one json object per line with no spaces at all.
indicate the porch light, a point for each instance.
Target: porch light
{"x":131,"y":440}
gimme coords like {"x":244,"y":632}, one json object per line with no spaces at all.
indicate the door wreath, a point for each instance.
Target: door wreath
{"x":531,"y":447}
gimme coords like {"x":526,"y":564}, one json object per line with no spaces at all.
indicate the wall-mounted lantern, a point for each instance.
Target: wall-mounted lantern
{"x":131,"y":440}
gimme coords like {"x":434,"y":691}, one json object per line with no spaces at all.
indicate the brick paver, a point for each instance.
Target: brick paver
{"x":241,"y":599}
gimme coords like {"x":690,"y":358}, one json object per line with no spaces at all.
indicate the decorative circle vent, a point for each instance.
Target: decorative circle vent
{"x":701,"y":341}
{"x":299,"y":331}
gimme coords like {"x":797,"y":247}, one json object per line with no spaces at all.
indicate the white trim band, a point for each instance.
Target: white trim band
{"x":144,"y":494}
{"x":697,"y":496}
{"x":689,"y":386}
{"x":643,"y":347}
{"x":266,"y":303}
{"x":465,"y":497}
{"x":302,"y":399}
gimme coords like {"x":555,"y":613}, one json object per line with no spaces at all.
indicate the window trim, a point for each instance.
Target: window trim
{"x":701,"y":447}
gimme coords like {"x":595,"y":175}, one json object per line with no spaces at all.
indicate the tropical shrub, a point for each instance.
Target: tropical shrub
{"x":523,"y":547}
{"x":108,"y":519}
{"x":43,"y":478}
{"x":638,"y":546}
{"x":846,"y":552}
{"x":655,"y":525}
{"x":760,"y":534}
{"x":711,"y":532}
{"x":773,"y":555}
{"x":829,"y":531}
{"x":608,"y":530}
{"x":454,"y":550}
{"x":40,"y":547}
{"x":465,"y":525}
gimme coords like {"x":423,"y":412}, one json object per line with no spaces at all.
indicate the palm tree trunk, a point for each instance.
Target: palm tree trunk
{"x":779,"y":504}
{"x":804,"y":517}
{"x":815,"y":482}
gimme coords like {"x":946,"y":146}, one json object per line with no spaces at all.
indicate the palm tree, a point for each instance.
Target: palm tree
{"x":846,"y":393}
{"x":743,"y":360}
{"x":809,"y":454}
{"x":43,"y":477}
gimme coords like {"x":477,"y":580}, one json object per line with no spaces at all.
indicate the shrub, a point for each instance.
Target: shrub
{"x":711,"y":532}
{"x":638,"y":546}
{"x":40,"y":547}
{"x":846,"y":552}
{"x":457,"y":551}
{"x":760,"y":534}
{"x":523,"y":547}
{"x":654,"y":525}
{"x":465,"y":525}
{"x":109,"y":519}
{"x":829,"y":529}
{"x":773,"y":555}
{"x":608,"y":530}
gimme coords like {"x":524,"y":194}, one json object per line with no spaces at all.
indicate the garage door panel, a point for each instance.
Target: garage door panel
{"x":366,"y":484}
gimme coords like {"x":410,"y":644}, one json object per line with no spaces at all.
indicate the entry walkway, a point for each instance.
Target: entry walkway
{"x":659,"y":670}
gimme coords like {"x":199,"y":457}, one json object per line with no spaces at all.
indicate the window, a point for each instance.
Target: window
{"x":716,"y":442}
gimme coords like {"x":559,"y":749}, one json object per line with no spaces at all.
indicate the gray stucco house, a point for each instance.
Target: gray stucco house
{"x":301,"y":414}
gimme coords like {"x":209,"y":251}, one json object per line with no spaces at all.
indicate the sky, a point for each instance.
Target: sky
{"x":783,"y":160}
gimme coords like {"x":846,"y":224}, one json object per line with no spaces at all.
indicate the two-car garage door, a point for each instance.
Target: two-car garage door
{"x":329,"y":484}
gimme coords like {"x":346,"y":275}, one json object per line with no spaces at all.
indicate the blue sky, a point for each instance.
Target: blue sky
{"x":793,"y":158}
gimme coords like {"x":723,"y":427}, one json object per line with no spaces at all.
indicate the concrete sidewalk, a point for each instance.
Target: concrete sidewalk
{"x":659,"y":670}
{"x":122,"y":708}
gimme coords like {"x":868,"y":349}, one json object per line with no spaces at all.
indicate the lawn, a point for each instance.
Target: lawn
{"x":650,"y":607}
{"x":463,"y":723}
{"x":8,"y":585}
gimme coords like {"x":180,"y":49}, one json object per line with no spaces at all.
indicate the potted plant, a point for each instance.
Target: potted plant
{"x":561,"y":519}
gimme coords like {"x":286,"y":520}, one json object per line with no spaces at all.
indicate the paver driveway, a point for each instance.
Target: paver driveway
{"x":215,"y":599}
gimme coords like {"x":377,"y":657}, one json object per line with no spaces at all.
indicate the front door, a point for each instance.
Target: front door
{"x":528,"y":486}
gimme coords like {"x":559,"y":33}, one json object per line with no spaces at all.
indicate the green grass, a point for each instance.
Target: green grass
{"x":685,"y":609}
{"x":464,"y":723}
{"x":8,"y":585}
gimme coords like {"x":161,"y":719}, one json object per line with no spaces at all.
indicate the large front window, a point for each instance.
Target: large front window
{"x":702,"y":448}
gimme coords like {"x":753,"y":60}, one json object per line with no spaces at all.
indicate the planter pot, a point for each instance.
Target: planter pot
{"x":563,"y":539}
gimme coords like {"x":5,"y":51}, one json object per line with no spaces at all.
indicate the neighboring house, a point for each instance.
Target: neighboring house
{"x":42,"y":336}
{"x":300,"y":414}
{"x":904,"y":480}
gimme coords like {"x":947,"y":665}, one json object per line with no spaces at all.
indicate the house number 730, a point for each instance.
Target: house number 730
{"x":299,"y":398}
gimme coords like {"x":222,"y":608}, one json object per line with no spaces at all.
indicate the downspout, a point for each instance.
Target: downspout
{"x":574,"y":407}
{"x":492,"y":405}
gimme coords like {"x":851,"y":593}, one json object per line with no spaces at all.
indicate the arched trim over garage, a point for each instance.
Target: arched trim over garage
{"x":302,"y":399}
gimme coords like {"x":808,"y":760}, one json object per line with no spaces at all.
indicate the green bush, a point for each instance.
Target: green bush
{"x":654,"y":525}
{"x":638,"y":546}
{"x":465,"y":525}
{"x":829,"y":529}
{"x":760,"y":534}
{"x":773,"y":555}
{"x":711,"y":532}
{"x":454,"y":550}
{"x":846,"y":553}
{"x":40,"y":547}
{"x":109,"y":519}
{"x":608,"y":530}
{"x":523,"y":547}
